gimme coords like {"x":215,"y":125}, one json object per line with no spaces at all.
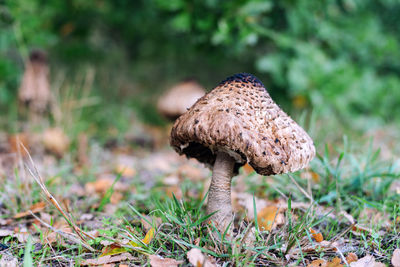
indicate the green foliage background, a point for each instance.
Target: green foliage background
{"x":337,"y":57}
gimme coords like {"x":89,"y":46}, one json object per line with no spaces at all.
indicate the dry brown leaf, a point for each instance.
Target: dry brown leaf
{"x":351,"y":257}
{"x":358,"y":229}
{"x":116,"y":197}
{"x":266,"y":218}
{"x":4,"y":232}
{"x":317,"y":263}
{"x":35,"y":208}
{"x":174,"y":190}
{"x":317,"y":236}
{"x":108,"y":259}
{"x":196,"y":257}
{"x":101,"y":185}
{"x":147,"y":225}
{"x":396,"y":258}
{"x":370,"y":216}
{"x":335,"y":262}
{"x":125,"y":171}
{"x":83,"y":149}
{"x":8,"y":261}
{"x":157,"y":261}
{"x":15,"y":140}
{"x":367,"y":261}
{"x":190,"y":172}
{"x":55,"y":141}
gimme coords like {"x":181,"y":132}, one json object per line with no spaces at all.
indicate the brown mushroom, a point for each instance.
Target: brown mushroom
{"x":179,"y":98}
{"x":34,"y":90}
{"x":235,"y":123}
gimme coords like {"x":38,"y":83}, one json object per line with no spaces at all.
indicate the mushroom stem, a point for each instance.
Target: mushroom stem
{"x":219,"y":195}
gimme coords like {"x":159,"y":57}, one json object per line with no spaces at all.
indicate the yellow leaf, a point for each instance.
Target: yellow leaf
{"x":149,"y":236}
{"x":266,"y":217}
{"x":113,"y":249}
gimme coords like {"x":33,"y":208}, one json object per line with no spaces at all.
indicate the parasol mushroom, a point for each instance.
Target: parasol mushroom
{"x":235,"y":123}
{"x":34,"y":90}
{"x":179,"y":98}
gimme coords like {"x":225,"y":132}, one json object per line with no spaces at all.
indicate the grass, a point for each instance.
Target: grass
{"x":346,"y":194}
{"x":348,"y":182}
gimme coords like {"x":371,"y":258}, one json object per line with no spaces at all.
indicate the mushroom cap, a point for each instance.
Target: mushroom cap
{"x":38,"y":56}
{"x":179,"y":98}
{"x":240,"y":118}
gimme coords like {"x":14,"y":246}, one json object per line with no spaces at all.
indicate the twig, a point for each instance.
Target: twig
{"x":300,"y":188}
{"x":68,"y":236}
{"x":35,"y":174}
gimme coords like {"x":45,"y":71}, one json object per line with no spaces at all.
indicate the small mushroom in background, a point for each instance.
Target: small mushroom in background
{"x":234,"y":124}
{"x":179,"y":98}
{"x":34,"y":91}
{"x":55,"y":141}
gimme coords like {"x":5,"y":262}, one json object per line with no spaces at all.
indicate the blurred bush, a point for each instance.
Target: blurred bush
{"x":339,"y":57}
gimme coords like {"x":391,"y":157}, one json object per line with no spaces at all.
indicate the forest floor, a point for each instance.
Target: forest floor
{"x":134,"y":201}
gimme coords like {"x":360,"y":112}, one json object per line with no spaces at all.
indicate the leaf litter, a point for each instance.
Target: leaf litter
{"x":141,"y":171}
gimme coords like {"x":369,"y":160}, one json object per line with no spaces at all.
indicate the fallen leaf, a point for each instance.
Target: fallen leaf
{"x":108,"y":259}
{"x":4,"y":232}
{"x":174,"y":190}
{"x":8,"y":261}
{"x":116,"y":197}
{"x":15,"y":140}
{"x":358,"y":229}
{"x":149,"y":236}
{"x":266,"y":218}
{"x":55,"y":141}
{"x":351,"y":257}
{"x":317,"y":263}
{"x":367,"y":261}
{"x":187,"y":171}
{"x":335,"y":262}
{"x":125,"y":170}
{"x":101,"y":186}
{"x":149,"y":222}
{"x":114,"y":248}
{"x":196,"y":257}
{"x":83,"y":158}
{"x":396,"y":258}
{"x":157,"y":261}
{"x":317,"y":236}
{"x":35,"y":208}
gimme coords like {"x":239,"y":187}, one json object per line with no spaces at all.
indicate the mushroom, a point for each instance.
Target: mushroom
{"x":34,"y":91}
{"x":179,"y":98}
{"x":235,"y":123}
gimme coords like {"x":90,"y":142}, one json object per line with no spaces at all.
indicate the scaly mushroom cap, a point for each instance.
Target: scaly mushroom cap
{"x":179,"y":98}
{"x":240,"y":118}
